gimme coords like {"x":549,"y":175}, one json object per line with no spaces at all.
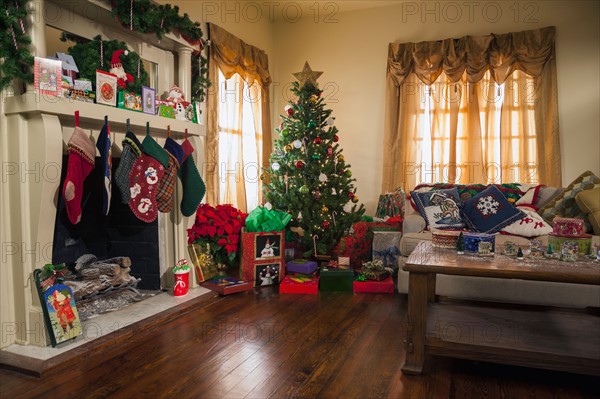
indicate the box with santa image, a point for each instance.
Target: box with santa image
{"x":263,"y":257}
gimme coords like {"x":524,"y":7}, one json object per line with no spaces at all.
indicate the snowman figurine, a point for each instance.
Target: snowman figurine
{"x":177,"y":101}
{"x":267,"y":251}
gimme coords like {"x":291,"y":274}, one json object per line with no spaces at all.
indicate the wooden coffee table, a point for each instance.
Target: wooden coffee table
{"x":542,"y":337}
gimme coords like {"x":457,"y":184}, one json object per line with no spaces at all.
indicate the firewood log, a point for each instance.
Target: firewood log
{"x":90,"y":273}
{"x":84,"y":261}
{"x":108,"y":269}
{"x":123,"y":261}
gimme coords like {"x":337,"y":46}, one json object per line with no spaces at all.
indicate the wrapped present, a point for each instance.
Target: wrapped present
{"x":391,"y":204}
{"x":386,"y":247}
{"x":260,"y":249}
{"x":385,"y":286}
{"x":375,"y":270}
{"x":262,"y":219}
{"x":343,"y":261}
{"x":226,"y":285}
{"x":389,"y":224}
{"x":339,"y":280}
{"x":357,"y":246}
{"x":568,"y":227}
{"x":299,"y":284}
{"x":301,"y":266}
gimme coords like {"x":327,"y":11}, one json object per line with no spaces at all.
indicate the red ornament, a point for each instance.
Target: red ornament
{"x":350,"y":194}
{"x":299,"y":165}
{"x":335,"y":138}
{"x":317,"y":140}
{"x":329,"y":151}
{"x":290,"y":111}
{"x":341,"y":172}
{"x":325,"y":224}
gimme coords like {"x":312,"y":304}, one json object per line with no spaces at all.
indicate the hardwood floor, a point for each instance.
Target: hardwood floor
{"x":260,"y":344}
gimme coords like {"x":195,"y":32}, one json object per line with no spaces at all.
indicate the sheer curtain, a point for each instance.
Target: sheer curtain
{"x":472,"y":110}
{"x":238,"y":141}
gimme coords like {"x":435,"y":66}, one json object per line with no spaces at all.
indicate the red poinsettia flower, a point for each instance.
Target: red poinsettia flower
{"x":219,"y":228}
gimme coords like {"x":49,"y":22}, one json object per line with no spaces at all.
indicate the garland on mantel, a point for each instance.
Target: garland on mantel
{"x":148,"y":17}
{"x":139,"y":15}
{"x":16,"y":62}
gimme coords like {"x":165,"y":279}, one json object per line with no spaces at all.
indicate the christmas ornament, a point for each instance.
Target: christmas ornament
{"x":316,"y":156}
{"x":313,"y":99}
{"x":333,"y":192}
{"x":275,"y":166}
{"x":311,"y":125}
{"x":341,"y":158}
{"x":317,"y":140}
{"x":335,"y":138}
{"x":341,"y":172}
{"x":333,"y":216}
{"x":322,"y":177}
{"x":299,"y":165}
{"x":268,"y":206}
{"x":289,"y":110}
{"x":325,"y":224}
{"x":349,"y":173}
{"x":288,"y":148}
{"x":330,"y":121}
{"x":284,"y":133}
{"x":307,"y":76}
{"x":350,"y":194}
{"x":263,"y":176}
{"x":329,"y":151}
{"x":324,"y":209}
{"x":304,"y":189}
{"x":297,"y":144}
{"x":317,"y":195}
{"x":355,"y":199}
{"x":116,"y":68}
{"x":315,"y":240}
{"x":299,"y":217}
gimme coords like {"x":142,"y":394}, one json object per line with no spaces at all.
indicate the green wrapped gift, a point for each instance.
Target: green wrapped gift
{"x":340,"y":280}
{"x":263,"y":220}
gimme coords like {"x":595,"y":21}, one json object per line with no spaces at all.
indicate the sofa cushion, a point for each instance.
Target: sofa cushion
{"x":532,"y":225}
{"x":439,"y":208}
{"x":489,"y":211}
{"x":589,"y":202}
{"x":565,"y":206}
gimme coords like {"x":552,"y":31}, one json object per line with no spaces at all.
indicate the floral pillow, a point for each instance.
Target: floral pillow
{"x":532,"y":225}
{"x":439,"y":208}
{"x":489,"y":211}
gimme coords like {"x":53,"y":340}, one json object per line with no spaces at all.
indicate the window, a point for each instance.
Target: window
{"x":240,"y":142}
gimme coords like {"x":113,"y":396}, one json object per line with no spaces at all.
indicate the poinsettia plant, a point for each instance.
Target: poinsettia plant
{"x":218,"y":229}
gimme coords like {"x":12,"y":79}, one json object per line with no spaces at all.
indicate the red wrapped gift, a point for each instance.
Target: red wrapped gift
{"x":299,"y":284}
{"x":376,"y":287}
{"x":391,"y":224}
{"x":356,"y":246}
{"x":263,"y":257}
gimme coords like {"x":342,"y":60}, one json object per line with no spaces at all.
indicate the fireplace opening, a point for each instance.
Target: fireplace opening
{"x":119,"y":234}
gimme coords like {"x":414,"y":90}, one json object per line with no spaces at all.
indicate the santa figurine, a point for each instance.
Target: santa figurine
{"x":117,"y":69}
{"x":177,"y":101}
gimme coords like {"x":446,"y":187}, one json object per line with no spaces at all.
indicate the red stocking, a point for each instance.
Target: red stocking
{"x":79,"y":166}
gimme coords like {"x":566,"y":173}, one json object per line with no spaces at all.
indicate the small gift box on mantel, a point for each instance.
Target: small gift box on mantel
{"x":386,"y":246}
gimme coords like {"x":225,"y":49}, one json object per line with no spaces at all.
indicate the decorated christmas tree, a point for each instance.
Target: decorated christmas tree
{"x":309,"y":177}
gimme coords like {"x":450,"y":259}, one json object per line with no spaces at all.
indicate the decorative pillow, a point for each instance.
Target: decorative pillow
{"x":489,"y":211}
{"x":439,"y":208}
{"x":565,"y":206}
{"x":589,"y":202}
{"x":530,"y":197}
{"x":532,"y":225}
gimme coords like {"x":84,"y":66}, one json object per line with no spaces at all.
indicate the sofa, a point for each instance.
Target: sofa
{"x":414,"y":230}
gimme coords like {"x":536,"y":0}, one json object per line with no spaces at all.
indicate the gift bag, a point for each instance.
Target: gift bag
{"x":391,"y":204}
{"x":263,"y":257}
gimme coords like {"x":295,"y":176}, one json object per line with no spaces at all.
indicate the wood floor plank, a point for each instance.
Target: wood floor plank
{"x":261,"y":344}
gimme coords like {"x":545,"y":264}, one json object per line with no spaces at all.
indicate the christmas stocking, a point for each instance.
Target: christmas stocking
{"x":193,"y":185}
{"x":132,"y":150}
{"x":81,"y":162}
{"x":104,"y":145}
{"x":166,"y":186}
{"x":147,"y":171}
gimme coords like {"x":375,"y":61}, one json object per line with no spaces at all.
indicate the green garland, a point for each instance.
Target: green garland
{"x":16,"y":61}
{"x":87,"y":56}
{"x":147,"y":17}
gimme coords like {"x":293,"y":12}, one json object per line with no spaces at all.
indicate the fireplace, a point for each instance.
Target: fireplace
{"x":118,"y":234}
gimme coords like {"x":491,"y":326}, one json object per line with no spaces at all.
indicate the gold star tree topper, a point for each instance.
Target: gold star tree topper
{"x":307,"y":75}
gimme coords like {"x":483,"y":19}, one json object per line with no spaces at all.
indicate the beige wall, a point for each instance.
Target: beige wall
{"x":352,"y":53}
